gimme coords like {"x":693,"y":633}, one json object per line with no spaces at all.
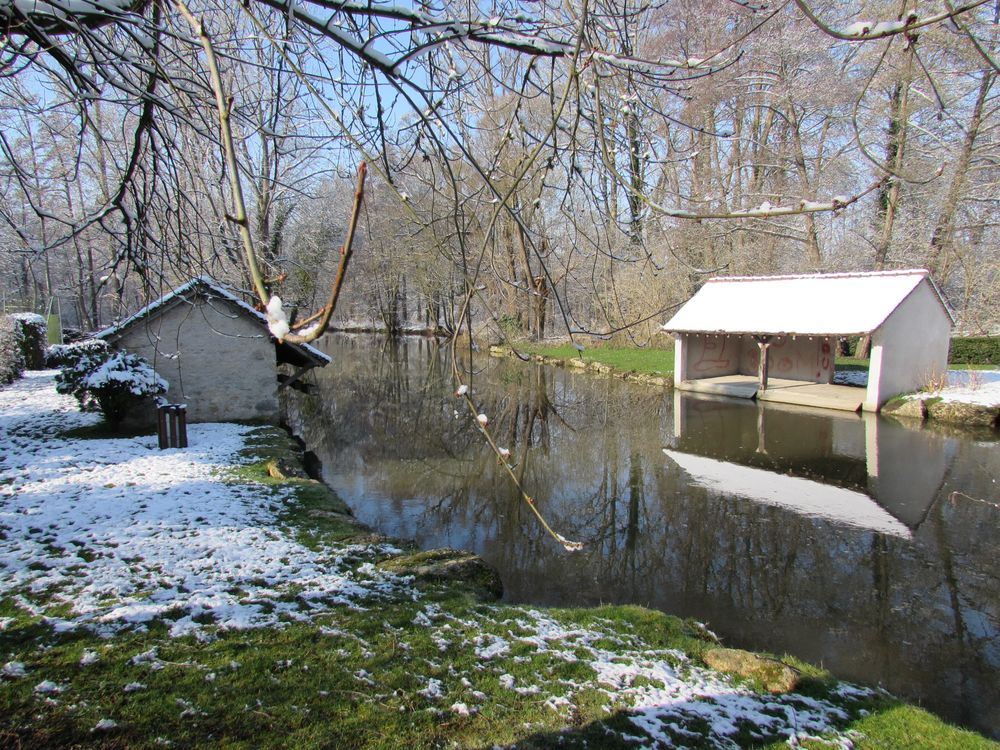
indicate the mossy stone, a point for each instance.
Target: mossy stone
{"x":773,"y":675}
{"x":910,"y":408}
{"x":955,"y":412}
{"x":450,"y":566}
{"x":286,"y":467}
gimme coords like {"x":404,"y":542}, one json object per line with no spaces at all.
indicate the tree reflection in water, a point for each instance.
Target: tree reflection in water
{"x":917,"y":610}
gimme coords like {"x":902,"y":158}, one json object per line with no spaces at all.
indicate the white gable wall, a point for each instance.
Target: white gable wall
{"x":217,"y":360}
{"x":910,"y":348}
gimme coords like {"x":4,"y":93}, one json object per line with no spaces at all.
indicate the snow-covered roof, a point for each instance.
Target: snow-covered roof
{"x":833,"y":304}
{"x":216,"y":288}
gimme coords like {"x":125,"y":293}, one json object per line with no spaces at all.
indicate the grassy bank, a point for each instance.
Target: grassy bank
{"x":661,"y":361}
{"x":625,"y":359}
{"x":303,"y":629}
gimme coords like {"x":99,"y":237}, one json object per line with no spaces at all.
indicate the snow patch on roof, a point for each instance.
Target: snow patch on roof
{"x":834,"y":304}
{"x":186,"y":290}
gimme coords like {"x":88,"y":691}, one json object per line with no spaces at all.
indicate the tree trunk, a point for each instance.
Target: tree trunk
{"x":942,"y":239}
{"x":889,"y":193}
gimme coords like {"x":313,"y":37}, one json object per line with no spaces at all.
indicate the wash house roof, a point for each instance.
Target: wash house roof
{"x":295,"y":354}
{"x":834,"y":304}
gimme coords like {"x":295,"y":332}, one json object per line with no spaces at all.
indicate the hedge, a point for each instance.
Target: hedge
{"x":34,"y":339}
{"x":965,"y":350}
{"x":975,"y":350}
{"x":11,"y":351}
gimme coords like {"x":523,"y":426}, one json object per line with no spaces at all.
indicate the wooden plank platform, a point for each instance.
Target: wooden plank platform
{"x":737,"y":386}
{"x":781,"y":391}
{"x":824,"y":395}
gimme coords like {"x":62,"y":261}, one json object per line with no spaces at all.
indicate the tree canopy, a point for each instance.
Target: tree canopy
{"x":582,"y":165}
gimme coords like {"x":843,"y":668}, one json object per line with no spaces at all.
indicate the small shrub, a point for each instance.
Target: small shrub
{"x":935,"y":382}
{"x":511,"y":327}
{"x":34,"y":337}
{"x":77,"y":362}
{"x":11,"y":352}
{"x":113,"y":383}
{"x":65,"y":355}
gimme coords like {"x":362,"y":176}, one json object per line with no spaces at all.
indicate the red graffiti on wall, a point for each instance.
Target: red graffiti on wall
{"x":713,"y":356}
{"x":824,"y":358}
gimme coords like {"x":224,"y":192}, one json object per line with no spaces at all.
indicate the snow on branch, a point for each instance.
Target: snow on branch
{"x":519,"y":33}
{"x":860,"y":31}
{"x":65,"y":16}
{"x":766,"y":211}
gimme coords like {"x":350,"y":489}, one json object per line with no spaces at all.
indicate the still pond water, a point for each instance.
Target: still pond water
{"x":852,"y":542}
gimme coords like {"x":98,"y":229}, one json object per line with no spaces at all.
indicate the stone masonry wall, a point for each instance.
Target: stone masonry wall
{"x":217,"y":360}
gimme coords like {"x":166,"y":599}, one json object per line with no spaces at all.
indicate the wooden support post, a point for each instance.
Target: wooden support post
{"x":294,"y":377}
{"x":161,"y":427}
{"x":763,"y":343}
{"x":171,"y":424}
{"x":182,"y":429}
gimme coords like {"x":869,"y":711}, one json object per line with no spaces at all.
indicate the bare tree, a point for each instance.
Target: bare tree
{"x":651,"y":124}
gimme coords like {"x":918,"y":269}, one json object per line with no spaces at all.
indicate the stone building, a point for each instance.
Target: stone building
{"x":774,"y":338}
{"x":215,"y":351}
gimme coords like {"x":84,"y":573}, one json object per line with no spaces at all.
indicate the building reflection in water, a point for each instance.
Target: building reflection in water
{"x":849,"y":541}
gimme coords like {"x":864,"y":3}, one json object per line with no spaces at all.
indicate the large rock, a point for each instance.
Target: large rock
{"x":956,"y":412}
{"x":449,"y":566}
{"x":909,"y":408}
{"x":773,"y":675}
{"x":286,"y":467}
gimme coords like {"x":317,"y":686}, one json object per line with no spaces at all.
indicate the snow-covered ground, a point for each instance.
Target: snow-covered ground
{"x":971,"y":387}
{"x":124,"y":532}
{"x":111,"y":534}
{"x":967,"y":386}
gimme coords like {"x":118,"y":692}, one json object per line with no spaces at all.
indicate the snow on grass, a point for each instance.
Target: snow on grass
{"x":851,"y":377}
{"x":980,"y":387}
{"x":664,"y":694}
{"x":110,"y":534}
{"x":14,"y":670}
{"x":971,"y":387}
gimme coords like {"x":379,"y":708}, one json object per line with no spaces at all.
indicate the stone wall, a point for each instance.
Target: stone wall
{"x":217,"y":359}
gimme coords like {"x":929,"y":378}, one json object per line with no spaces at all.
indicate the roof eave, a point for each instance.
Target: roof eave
{"x":704,"y":332}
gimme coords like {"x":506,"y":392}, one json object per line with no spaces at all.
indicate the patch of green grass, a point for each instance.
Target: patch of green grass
{"x":626,"y":359}
{"x":853,"y":363}
{"x":661,"y":361}
{"x":893,"y":725}
{"x":358,"y":684}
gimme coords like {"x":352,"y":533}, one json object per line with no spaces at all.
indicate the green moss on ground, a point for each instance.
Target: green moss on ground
{"x":362,"y":677}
